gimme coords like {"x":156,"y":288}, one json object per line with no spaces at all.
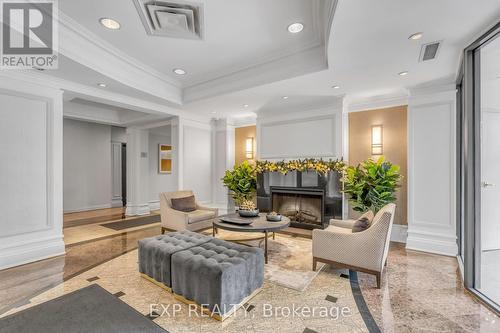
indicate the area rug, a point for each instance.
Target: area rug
{"x":131,"y":223}
{"x":290,"y":259}
{"x":90,"y":309}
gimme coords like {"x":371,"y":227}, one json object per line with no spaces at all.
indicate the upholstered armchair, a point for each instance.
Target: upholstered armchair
{"x":364,"y":251}
{"x":172,"y":219}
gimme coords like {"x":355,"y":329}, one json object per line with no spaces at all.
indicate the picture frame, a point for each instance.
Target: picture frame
{"x":164,"y":158}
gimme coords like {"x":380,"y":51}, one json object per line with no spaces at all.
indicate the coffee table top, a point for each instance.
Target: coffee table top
{"x":259,"y":224}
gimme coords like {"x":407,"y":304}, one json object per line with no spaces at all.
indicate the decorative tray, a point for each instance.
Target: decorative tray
{"x":236,"y":220}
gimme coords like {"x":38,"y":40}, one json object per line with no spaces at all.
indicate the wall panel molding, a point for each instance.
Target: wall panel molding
{"x":23,"y":237}
{"x":431,"y":173}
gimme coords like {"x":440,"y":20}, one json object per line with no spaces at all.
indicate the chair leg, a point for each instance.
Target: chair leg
{"x":314,"y":263}
{"x":385,"y":263}
{"x":379,"y":278}
{"x":163,"y":230}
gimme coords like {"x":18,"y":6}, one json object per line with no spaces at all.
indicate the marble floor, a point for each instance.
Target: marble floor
{"x":420,"y":293}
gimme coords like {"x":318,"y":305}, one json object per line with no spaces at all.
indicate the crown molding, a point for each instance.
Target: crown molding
{"x":99,"y":95}
{"x":376,"y":102}
{"x":284,"y":64}
{"x":284,"y":68}
{"x":88,"y":49}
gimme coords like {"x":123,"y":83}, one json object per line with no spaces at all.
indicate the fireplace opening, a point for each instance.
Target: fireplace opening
{"x":304,"y":207}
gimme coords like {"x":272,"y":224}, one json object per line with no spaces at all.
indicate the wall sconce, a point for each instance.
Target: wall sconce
{"x":249,"y":148}
{"x":377,"y":137}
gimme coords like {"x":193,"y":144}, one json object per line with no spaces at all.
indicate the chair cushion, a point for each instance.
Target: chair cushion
{"x":363,"y":222}
{"x":200,"y":215}
{"x":339,"y":230}
{"x":186,"y":204}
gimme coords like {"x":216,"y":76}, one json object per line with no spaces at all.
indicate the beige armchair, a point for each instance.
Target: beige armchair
{"x":171,"y":219}
{"x":364,"y":251}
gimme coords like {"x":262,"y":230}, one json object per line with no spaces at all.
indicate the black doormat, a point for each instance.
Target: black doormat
{"x":90,"y":309}
{"x":135,"y":222}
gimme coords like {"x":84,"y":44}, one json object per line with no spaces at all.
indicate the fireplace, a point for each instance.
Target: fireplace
{"x":304,"y":206}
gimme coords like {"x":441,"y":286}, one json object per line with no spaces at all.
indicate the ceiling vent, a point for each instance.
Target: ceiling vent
{"x":171,"y":19}
{"x":430,"y":51}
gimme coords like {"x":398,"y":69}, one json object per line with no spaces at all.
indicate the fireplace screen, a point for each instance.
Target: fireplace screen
{"x":299,"y":208}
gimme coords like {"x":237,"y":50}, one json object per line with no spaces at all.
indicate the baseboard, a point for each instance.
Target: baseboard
{"x":31,"y":251}
{"x":154,"y":205}
{"x":118,"y":202}
{"x":399,"y":233}
{"x":134,"y":210}
{"x":84,"y":209}
{"x":432,"y":244}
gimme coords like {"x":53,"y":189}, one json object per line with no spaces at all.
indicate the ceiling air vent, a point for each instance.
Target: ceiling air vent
{"x":429,"y":51}
{"x":171,"y":19}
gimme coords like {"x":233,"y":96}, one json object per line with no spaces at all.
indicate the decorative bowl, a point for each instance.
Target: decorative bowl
{"x":248,"y":213}
{"x":273,"y":218}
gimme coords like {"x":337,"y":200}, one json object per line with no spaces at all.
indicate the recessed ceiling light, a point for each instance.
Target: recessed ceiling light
{"x":295,"y":27}
{"x":179,"y":71}
{"x":102,"y":85}
{"x":245,"y":105}
{"x":403,"y":73}
{"x":416,"y":36}
{"x":336,"y":87}
{"x":109,"y":23}
{"x":284,"y":97}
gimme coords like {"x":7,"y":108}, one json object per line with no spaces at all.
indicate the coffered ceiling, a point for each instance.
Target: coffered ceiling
{"x":247,"y":61}
{"x":241,"y":39}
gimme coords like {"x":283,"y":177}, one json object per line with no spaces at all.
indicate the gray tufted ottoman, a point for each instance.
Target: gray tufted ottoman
{"x":155,"y":254}
{"x":218,"y":275}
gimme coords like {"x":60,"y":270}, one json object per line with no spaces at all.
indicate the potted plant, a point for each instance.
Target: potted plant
{"x":371,"y":184}
{"x":242,"y":184}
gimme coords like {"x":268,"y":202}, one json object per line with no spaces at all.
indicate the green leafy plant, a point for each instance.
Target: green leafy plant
{"x":371,"y":184}
{"x":241,"y":182}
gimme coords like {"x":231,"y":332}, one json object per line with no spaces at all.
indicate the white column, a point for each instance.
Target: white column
{"x":116,"y":174}
{"x":223,"y":159}
{"x":137,"y":172}
{"x":431,"y":171}
{"x":178,"y":156}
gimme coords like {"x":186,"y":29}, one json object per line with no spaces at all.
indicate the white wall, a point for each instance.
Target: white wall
{"x":308,"y":133}
{"x":30,"y":172}
{"x":431,"y":171}
{"x":159,"y":182}
{"x":118,"y":134}
{"x":196,"y":162}
{"x":87,"y":166}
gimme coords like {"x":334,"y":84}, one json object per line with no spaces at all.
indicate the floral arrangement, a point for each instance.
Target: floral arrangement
{"x":308,"y":164}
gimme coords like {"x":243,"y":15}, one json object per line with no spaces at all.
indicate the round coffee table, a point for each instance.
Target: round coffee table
{"x":259,"y":224}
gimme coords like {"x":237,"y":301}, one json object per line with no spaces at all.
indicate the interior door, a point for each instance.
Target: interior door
{"x":490,"y":181}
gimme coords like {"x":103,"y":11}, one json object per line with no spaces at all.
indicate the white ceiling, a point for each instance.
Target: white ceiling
{"x":75,"y":72}
{"x":368,"y":46}
{"x":238,"y":34}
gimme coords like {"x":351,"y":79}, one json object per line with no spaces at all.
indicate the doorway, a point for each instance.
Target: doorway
{"x":488,"y":242}
{"x":479,"y":181}
{"x":124,"y":175}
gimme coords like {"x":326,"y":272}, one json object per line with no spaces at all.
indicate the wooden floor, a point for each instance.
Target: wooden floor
{"x":93,"y":216}
{"x":88,"y":226}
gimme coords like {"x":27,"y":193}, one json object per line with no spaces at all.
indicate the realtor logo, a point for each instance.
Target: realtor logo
{"x":29,"y":34}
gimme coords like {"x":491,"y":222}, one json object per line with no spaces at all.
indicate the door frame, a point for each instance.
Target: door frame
{"x":470,"y":140}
